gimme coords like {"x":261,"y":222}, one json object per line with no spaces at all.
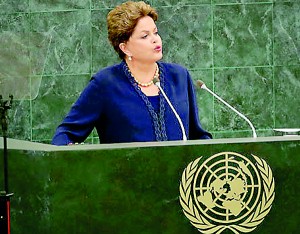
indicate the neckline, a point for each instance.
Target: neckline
{"x":158,"y":119}
{"x":147,"y":84}
{"x":153,"y":96}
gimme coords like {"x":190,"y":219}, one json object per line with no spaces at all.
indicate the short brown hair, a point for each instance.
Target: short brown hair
{"x":122,"y":20}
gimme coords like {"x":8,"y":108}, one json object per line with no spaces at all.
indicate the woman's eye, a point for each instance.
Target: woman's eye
{"x":145,"y":36}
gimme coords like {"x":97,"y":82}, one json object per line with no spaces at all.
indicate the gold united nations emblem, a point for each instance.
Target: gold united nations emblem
{"x":227,"y":191}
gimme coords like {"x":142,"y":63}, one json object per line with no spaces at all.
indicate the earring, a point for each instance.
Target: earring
{"x":129,"y":58}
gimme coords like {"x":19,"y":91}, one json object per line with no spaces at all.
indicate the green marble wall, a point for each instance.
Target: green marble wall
{"x":247,"y":51}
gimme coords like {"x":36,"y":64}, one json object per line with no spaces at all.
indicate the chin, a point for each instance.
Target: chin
{"x":159,"y":57}
{"x":153,"y":59}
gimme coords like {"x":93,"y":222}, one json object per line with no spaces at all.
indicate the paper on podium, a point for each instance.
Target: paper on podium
{"x":20,"y":73}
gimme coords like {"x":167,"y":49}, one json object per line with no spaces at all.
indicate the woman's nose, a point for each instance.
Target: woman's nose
{"x":154,"y":38}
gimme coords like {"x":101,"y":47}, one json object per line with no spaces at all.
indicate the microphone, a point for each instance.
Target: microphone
{"x":157,"y":83}
{"x":203,"y":86}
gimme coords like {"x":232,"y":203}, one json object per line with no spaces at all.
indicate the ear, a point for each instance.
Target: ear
{"x":123,"y":47}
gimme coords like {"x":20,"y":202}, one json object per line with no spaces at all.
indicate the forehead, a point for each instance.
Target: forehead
{"x":145,"y":23}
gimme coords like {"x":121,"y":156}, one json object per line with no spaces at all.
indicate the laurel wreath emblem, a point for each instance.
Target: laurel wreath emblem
{"x":249,"y":224}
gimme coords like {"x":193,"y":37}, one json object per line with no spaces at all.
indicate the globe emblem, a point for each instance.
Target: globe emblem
{"x":226,"y":187}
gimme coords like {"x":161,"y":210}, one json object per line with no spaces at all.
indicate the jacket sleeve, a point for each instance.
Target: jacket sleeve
{"x":195,"y":129}
{"x":80,"y":120}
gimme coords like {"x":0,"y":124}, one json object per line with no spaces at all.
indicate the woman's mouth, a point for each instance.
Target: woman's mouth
{"x":157,"y":48}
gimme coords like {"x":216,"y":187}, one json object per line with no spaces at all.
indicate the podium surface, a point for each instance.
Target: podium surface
{"x":143,"y":187}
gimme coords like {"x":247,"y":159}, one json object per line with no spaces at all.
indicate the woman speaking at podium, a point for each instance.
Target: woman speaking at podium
{"x":141,"y":98}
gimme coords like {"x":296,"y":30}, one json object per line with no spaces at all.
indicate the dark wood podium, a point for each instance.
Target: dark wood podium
{"x":141,"y":187}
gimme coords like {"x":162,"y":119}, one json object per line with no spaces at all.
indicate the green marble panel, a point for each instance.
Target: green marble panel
{"x":286,"y":33}
{"x":250,"y":91}
{"x":186,"y":35}
{"x":287,"y":102}
{"x":94,"y":138}
{"x":243,"y":133}
{"x":133,"y":190}
{"x":68,"y":41}
{"x":243,"y":35}
{"x":204,"y":99}
{"x":109,"y":3}
{"x":175,"y":3}
{"x":15,"y":65}
{"x":56,"y":95}
{"x":58,"y":5}
{"x":275,"y":1}
{"x":14,"y":28}
{"x":225,"y":2}
{"x":12,"y":6}
{"x":103,"y":54}
{"x":19,"y":120}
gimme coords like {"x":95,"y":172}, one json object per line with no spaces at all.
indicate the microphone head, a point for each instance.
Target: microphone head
{"x":155,"y":80}
{"x":200,"y":84}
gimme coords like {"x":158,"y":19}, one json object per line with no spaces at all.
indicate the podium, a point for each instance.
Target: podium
{"x":140,"y":187}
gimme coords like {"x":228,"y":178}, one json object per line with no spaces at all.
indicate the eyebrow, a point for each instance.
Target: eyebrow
{"x":148,"y":30}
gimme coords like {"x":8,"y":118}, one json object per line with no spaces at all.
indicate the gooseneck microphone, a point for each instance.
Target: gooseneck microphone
{"x":157,"y":83}
{"x":203,"y":86}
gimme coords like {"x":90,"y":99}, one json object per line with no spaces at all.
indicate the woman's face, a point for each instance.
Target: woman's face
{"x":145,"y":44}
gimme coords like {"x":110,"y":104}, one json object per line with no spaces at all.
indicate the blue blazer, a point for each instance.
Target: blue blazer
{"x":114,"y":104}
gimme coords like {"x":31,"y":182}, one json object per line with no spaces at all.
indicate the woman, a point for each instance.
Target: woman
{"x":121,"y":101}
